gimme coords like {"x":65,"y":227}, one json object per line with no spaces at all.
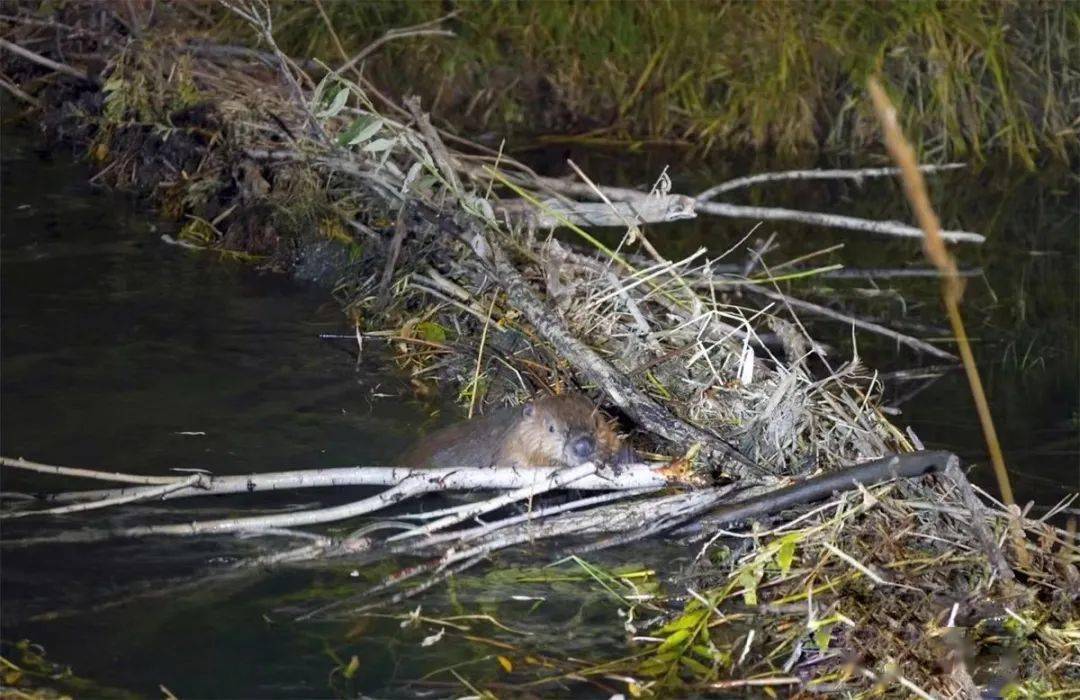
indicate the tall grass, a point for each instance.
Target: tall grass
{"x":975,"y":76}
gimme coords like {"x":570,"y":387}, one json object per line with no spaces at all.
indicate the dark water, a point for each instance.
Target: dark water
{"x":114,"y":345}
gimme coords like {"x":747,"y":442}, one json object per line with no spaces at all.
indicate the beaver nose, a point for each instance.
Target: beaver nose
{"x":583,"y":448}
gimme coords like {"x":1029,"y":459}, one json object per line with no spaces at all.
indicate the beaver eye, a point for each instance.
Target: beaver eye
{"x":551,"y":428}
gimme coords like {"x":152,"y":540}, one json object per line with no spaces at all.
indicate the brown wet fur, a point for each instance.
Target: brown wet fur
{"x":540,"y":433}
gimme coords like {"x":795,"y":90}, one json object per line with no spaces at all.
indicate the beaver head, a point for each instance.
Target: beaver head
{"x":562,"y":430}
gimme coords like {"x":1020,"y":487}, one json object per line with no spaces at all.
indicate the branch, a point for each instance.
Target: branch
{"x":979,"y":518}
{"x":911,"y":464}
{"x":630,"y":476}
{"x":46,"y":62}
{"x":915,"y":343}
{"x":858,"y":174}
{"x":557,"y":480}
{"x":144,"y":495}
{"x":78,"y":472}
{"x":886,"y":228}
{"x":649,"y":209}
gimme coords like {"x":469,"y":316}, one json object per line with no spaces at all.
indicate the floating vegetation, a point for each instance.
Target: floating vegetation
{"x":27,"y":673}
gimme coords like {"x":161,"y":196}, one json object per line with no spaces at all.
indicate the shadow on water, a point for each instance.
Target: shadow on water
{"x":122,"y":352}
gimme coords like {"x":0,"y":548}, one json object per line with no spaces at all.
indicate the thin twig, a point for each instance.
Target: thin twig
{"x":20,"y":463}
{"x":394,"y":34}
{"x":851,"y":223}
{"x":46,"y":62}
{"x":817,"y":309}
{"x":19,"y":92}
{"x":821,"y":174}
{"x":143,"y":495}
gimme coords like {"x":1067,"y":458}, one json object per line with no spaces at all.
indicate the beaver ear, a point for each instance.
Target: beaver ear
{"x":528,"y":410}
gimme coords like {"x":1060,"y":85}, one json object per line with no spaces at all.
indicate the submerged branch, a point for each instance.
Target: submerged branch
{"x":824,"y":311}
{"x":144,"y":494}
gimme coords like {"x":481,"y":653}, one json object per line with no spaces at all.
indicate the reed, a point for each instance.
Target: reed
{"x":977,"y":77}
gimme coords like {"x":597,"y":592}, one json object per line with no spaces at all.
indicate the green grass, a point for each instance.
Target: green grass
{"x":973,"y":77}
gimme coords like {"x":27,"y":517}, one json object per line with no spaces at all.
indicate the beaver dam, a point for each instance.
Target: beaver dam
{"x":830,"y":552}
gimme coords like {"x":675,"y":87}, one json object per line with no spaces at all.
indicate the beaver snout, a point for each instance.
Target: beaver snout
{"x":625,"y":455}
{"x":583,"y":448}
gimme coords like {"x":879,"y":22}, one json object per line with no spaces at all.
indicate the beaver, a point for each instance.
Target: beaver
{"x":564,"y":430}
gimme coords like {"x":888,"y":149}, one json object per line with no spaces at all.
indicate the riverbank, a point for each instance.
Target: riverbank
{"x":974,"y":79}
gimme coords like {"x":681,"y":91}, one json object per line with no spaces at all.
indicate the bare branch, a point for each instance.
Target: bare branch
{"x":819,"y":174}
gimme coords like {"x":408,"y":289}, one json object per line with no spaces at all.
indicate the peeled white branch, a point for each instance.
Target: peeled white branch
{"x":557,"y":480}
{"x":887,"y":228}
{"x":647,"y":209}
{"x":20,"y":463}
{"x":821,"y":174}
{"x":630,"y":476}
{"x":405,"y":483}
{"x":411,"y":486}
{"x":145,"y":494}
{"x":640,"y":200}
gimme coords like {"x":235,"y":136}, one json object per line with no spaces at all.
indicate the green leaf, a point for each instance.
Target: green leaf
{"x":696,"y":666}
{"x":359,"y":124}
{"x":822,"y":637}
{"x":786,"y":554}
{"x":652,"y":667}
{"x":674,"y":640}
{"x":431,"y":332}
{"x":363,"y":128}
{"x":705,"y":652}
{"x":336,"y":105}
{"x":749,"y":580}
{"x":379,"y":145}
{"x":683,"y":621}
